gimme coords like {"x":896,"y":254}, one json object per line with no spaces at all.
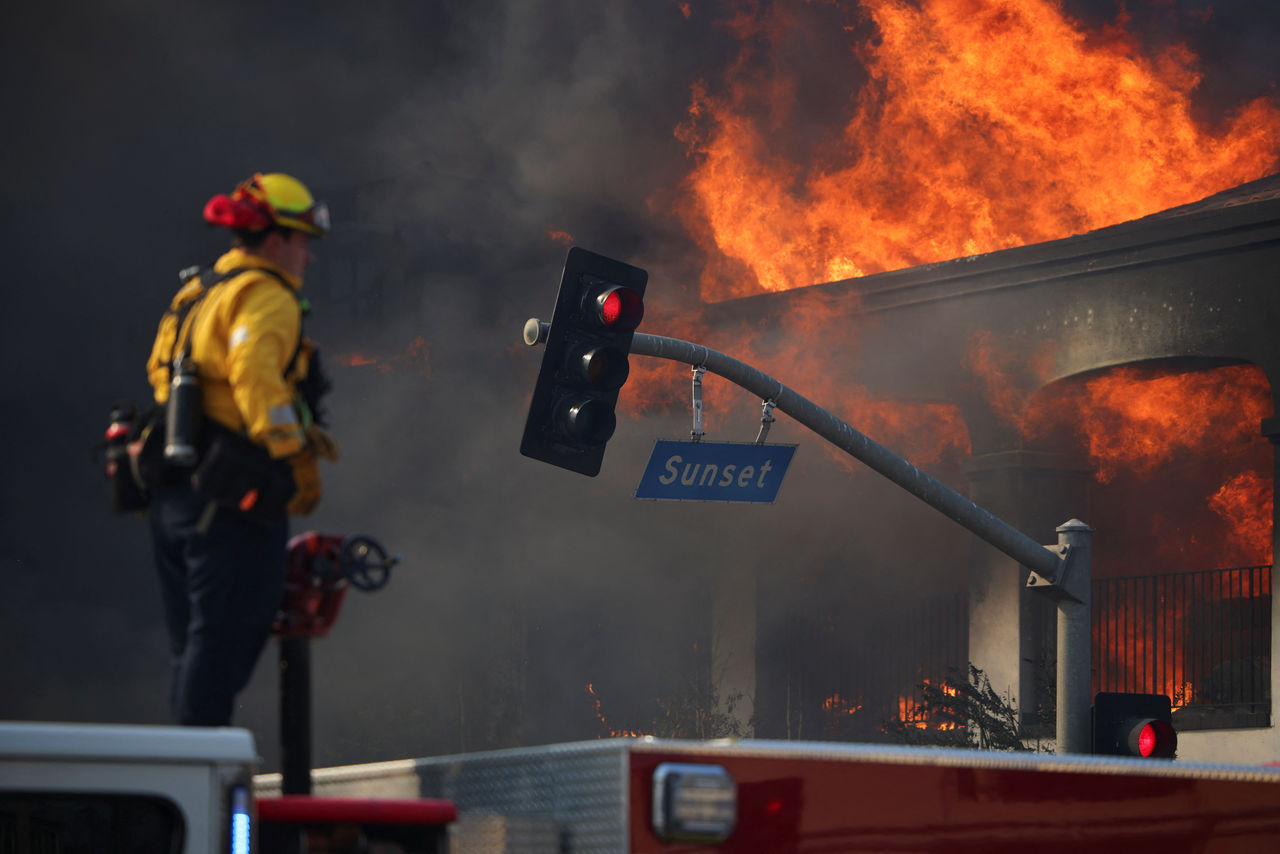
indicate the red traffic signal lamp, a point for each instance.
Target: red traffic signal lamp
{"x":1134,"y":725}
{"x":584,"y":365}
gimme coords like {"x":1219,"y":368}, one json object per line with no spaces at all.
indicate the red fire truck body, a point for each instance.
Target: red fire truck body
{"x":649,"y":795}
{"x":188,"y":790}
{"x":872,"y":800}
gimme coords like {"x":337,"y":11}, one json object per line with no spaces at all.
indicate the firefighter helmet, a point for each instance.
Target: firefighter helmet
{"x":263,"y":201}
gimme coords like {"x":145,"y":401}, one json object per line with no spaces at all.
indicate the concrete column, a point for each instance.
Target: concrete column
{"x":1011,"y":630}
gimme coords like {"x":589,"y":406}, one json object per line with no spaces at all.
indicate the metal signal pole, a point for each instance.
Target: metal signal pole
{"x":1059,"y":571}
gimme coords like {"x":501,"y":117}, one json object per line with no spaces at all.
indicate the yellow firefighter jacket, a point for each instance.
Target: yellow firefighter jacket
{"x":243,"y":335}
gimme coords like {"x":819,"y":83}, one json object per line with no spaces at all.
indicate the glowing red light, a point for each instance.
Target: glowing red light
{"x":1156,"y":739}
{"x":1147,"y":740}
{"x":619,"y":309}
{"x":611,"y":309}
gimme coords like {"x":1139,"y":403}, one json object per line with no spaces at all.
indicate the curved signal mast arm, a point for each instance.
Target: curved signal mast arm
{"x":928,"y":489}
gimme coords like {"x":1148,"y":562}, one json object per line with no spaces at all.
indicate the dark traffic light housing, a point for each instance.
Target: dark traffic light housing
{"x":584,"y":365}
{"x":1134,"y":725}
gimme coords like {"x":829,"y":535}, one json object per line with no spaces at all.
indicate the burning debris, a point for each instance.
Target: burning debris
{"x":598,"y":708}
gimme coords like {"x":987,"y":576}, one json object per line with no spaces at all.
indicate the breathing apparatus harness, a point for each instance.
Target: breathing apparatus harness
{"x":175,"y":443}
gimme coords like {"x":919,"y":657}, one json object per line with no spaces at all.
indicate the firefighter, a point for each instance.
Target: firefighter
{"x":219,"y":507}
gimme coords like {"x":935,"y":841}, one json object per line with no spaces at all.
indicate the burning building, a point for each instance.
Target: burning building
{"x":985,"y":316}
{"x":1124,"y":377}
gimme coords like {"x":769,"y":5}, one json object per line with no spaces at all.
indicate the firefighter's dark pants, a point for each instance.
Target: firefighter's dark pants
{"x":221,"y":589}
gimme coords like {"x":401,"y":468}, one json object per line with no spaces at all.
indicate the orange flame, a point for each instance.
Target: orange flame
{"x":599,"y":710}
{"x":1245,"y":503}
{"x":926,"y":432}
{"x":984,"y":124}
{"x":913,"y":713}
{"x":1179,"y":444}
{"x":1006,"y":372}
{"x":835,"y":706}
{"x":1136,"y":656}
{"x":1137,"y":422}
{"x":415,"y":356}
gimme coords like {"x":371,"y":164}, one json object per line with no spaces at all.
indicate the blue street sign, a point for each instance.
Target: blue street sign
{"x":714,"y":471}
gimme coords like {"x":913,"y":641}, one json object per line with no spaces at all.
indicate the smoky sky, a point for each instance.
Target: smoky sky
{"x":470,"y":131}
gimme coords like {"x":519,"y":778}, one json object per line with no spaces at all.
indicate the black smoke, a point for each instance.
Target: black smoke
{"x":460,"y":137}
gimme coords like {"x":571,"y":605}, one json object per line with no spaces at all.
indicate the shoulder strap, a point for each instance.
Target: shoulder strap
{"x":209,"y":278}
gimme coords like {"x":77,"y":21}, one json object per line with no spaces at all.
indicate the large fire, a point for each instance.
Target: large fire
{"x":1144,"y":428}
{"x":1134,"y":420}
{"x":970,"y":126}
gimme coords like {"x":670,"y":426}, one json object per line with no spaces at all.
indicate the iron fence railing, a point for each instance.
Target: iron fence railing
{"x":1203,"y":638}
{"x":846,"y":677}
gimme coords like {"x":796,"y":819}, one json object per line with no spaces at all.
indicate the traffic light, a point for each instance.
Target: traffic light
{"x":1133,"y":725}
{"x":584,"y":365}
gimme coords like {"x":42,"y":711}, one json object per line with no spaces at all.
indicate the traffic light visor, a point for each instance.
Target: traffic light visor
{"x":587,"y":420}
{"x":605,"y":368}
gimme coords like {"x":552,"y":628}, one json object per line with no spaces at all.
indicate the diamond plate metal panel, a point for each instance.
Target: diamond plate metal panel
{"x":546,"y":800}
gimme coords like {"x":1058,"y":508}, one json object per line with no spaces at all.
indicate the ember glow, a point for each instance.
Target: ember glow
{"x":416,"y":357}
{"x":1245,"y":503}
{"x":598,"y":708}
{"x":913,"y":713}
{"x":970,"y":126}
{"x":836,"y":706}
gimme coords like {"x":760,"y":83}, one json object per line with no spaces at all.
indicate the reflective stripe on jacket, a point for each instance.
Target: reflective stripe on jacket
{"x":243,"y":334}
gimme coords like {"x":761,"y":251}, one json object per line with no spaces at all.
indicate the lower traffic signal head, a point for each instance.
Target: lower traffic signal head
{"x":1134,"y":725}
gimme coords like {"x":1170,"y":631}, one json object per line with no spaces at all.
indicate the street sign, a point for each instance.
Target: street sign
{"x":714,"y":471}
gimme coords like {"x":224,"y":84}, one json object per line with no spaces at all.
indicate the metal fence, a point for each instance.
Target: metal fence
{"x":1203,"y":638}
{"x":846,"y":677}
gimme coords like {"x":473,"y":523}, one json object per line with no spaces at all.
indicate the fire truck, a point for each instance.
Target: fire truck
{"x":114,"y":788}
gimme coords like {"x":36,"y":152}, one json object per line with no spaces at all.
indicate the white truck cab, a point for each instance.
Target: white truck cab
{"x":118,"y":787}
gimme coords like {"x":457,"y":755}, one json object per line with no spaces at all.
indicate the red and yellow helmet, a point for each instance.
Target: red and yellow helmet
{"x":263,"y":201}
